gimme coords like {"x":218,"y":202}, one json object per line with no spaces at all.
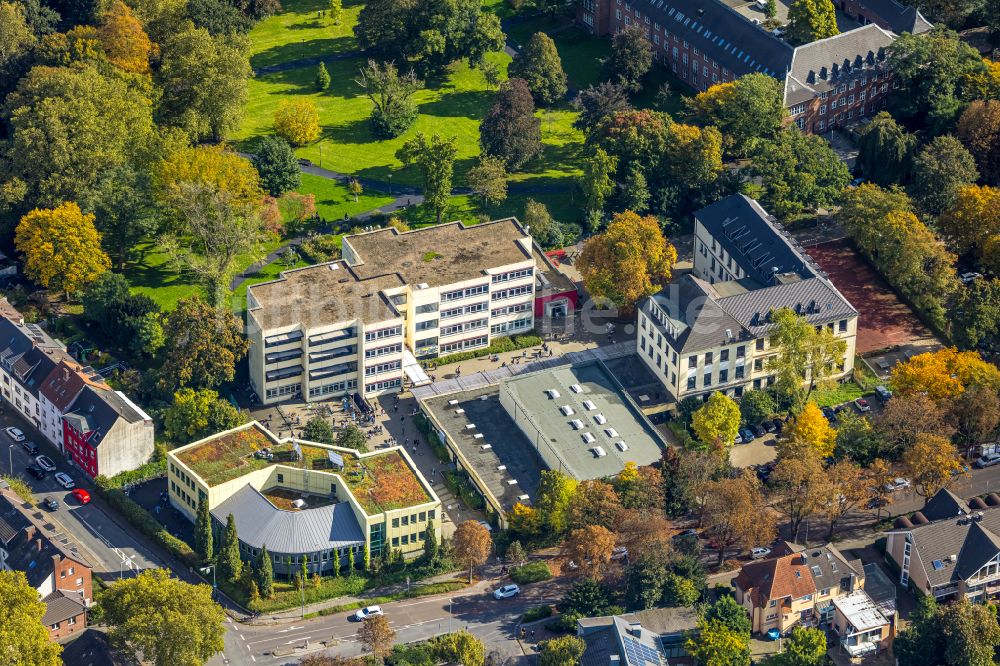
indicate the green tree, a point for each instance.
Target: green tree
{"x":228,"y":558}
{"x":335,"y":11}
{"x":488,"y":180}
{"x":631,"y":58}
{"x":961,"y":634}
{"x":805,"y":647}
{"x":811,"y":20}
{"x":715,"y":644}
{"x":391,"y":94}
{"x":598,"y":102}
{"x":555,"y":491}
{"x":219,"y":17}
{"x":277,"y":165}
{"x":350,"y":562}
{"x":975,"y":315}
{"x":167,"y":621}
{"x":730,"y":614}
{"x":540,"y":67}
{"x":562,"y":651}
{"x":322,"y":76}
{"x":647,"y":578}
{"x":771,"y":9}
{"x":515,"y":554}
{"x":204,"y":82}
{"x":799,"y":172}
{"x":130,"y":321}
{"x":263,"y":572}
{"x":979,"y":131}
{"x":203,"y":532}
{"x":24,"y":640}
{"x":941,"y":168}
{"x":124,"y":211}
{"x":356,"y":189}
{"x":755,"y":406}
{"x":885,"y":150}
{"x":746,"y":111}
{"x":100,"y":123}
{"x":804,"y":354}
{"x":679,"y":591}
{"x":635,"y":190}
{"x":597,"y":181}
{"x":352,"y":437}
{"x":716,"y":423}
{"x":510,"y":130}
{"x":203,"y":345}
{"x":431,"y":546}
{"x":318,"y":430}
{"x":544,"y":229}
{"x":436,"y":161}
{"x":460,"y":647}
{"x":586,"y":598}
{"x":197,"y":414}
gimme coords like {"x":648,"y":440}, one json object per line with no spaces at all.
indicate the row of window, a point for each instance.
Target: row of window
{"x":508,"y":327}
{"x":333,"y":387}
{"x":382,"y":351}
{"x":471,"y":343}
{"x":465,"y":293}
{"x":512,"y":275}
{"x":382,"y":386}
{"x":290,"y":389}
{"x":278,"y":357}
{"x":455,"y":329}
{"x":510,"y":309}
{"x":282,"y":339}
{"x":332,"y":336}
{"x":382,"y":368}
{"x":283,"y":373}
{"x":382,"y":333}
{"x":464,"y":310}
{"x":329,"y":355}
{"x":413,"y":518}
{"x":511,"y":293}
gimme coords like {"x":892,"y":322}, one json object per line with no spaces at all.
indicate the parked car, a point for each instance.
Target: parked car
{"x":862,"y":405}
{"x":897,"y":484}
{"x":759,"y":430}
{"x":779,"y":425}
{"x":50,"y":503}
{"x":883,"y":393}
{"x":619,"y":553}
{"x":64,"y":480}
{"x":81,"y":495}
{"x":829,"y":413}
{"x":876,"y":502}
{"x":747,"y":434}
{"x":969,"y":278}
{"x":770,"y":426}
{"x":506,"y":592}
{"x":45,"y":463}
{"x":759,"y":553}
{"x":30,"y":447}
{"x":764,"y":471}
{"x":489,"y":528}
{"x":689,"y":532}
{"x":367,"y":611}
{"x":962,"y":469}
{"x":15,"y":434}
{"x":987,"y":460}
{"x":739,"y":439}
{"x":36,"y":472}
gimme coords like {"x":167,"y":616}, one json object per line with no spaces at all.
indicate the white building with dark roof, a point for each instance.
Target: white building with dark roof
{"x":708,"y":331}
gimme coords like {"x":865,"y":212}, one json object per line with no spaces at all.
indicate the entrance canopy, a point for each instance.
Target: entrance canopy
{"x":412,"y":368}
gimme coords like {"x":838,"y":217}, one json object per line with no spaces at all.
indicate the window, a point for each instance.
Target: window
{"x":382,"y":351}
{"x":71,"y":621}
{"x":465,"y":293}
{"x":281,"y":478}
{"x":822,"y":109}
{"x":708,"y":358}
{"x":512,"y":292}
{"x":382,"y":368}
{"x":724,"y":355}
{"x":390,"y":332}
{"x":512,"y":275}
{"x":741,"y":351}
{"x":760,"y":344}
{"x":424,"y":309}
{"x":843,"y":326}
{"x":693,"y":361}
{"x":426,"y":325}
{"x":723,"y":376}
{"x":707,"y":379}
{"x":692,"y":381}
{"x":382,"y":386}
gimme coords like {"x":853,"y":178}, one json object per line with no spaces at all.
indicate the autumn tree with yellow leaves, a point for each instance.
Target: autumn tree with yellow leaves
{"x":973,"y":220}
{"x":716,"y":423}
{"x":590,"y":549}
{"x":812,"y":428}
{"x":61,"y":248}
{"x":629,"y":261}
{"x":735,"y":515}
{"x":297,"y":121}
{"x":931,"y":464}
{"x":943,"y":375}
{"x":215,"y":166}
{"x":125,"y":43}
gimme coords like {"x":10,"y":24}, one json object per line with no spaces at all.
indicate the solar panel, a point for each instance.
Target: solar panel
{"x":335,"y":458}
{"x":938,"y":565}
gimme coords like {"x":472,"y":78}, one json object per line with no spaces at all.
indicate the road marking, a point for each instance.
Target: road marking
{"x":304,"y":638}
{"x":241,"y":637}
{"x":285,"y":631}
{"x":272,"y":638}
{"x":253,"y":657}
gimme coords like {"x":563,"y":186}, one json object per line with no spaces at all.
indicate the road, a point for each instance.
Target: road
{"x":495,"y":622}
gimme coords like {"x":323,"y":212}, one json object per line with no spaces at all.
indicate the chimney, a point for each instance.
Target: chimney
{"x":65,"y":374}
{"x":635,"y":629}
{"x":38,"y":544}
{"x":852,"y":583}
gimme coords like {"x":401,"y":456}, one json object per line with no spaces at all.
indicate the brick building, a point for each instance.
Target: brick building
{"x":106,"y":433}
{"x":828,"y":83}
{"x":888,"y":14}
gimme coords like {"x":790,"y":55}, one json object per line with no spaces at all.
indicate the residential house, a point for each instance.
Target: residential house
{"x":27,"y":356}
{"x":709,"y":330}
{"x":827,"y":83}
{"x":58,"y":572}
{"x":106,"y":433}
{"x":653,"y":637}
{"x":950,"y":548}
{"x":359,"y":325}
{"x":58,"y":393}
{"x":889,"y":14}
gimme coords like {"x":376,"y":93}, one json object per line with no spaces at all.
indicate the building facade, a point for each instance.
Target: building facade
{"x":357,"y":325}
{"x":106,"y":433}
{"x":306,"y":502}
{"x":827,"y":84}
{"x":708,"y":331}
{"x":889,"y":14}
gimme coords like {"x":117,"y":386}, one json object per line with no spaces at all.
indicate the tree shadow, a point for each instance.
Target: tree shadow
{"x":466,"y":104}
{"x":358,"y":131}
{"x":305,"y":50}
{"x":312,"y":24}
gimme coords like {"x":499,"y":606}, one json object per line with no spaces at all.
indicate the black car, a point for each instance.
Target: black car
{"x":30,"y":447}
{"x":759,"y":430}
{"x":50,"y":503}
{"x":829,"y":414}
{"x":36,"y":472}
{"x":770,"y":426}
{"x":690,"y":532}
{"x":778,"y":425}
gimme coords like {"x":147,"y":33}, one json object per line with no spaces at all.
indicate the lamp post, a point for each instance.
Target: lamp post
{"x":10,"y":458}
{"x":390,"y":184}
{"x":204,"y":570}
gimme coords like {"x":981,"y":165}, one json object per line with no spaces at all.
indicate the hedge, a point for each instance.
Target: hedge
{"x":151,"y":470}
{"x":532,"y":572}
{"x":459,"y":485}
{"x":425,"y":426}
{"x":145,"y":523}
{"x":536,"y":613}
{"x":499,"y":346}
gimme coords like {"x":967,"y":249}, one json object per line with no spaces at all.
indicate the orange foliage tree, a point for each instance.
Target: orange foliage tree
{"x":944,"y":374}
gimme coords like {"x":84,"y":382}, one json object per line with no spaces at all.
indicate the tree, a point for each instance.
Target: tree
{"x":631,"y":58}
{"x":322,"y":76}
{"x":436,"y":160}
{"x":812,"y":428}
{"x":126,"y":44}
{"x":734,"y":515}
{"x":203,"y":345}
{"x":977,"y":414}
{"x":515,"y":554}
{"x":318,"y":430}
{"x":799,"y":172}
{"x":932,"y":463}
{"x":377,"y":636}
{"x":960,"y":634}
{"x":219,"y":17}
{"x":561,"y":651}
{"x":263,"y":573}
{"x":488,"y":180}
{"x":805,"y":647}
{"x":214,"y":167}
{"x":811,"y":20}
{"x":166,"y":620}
{"x":61,"y":248}
{"x":204,"y":82}
{"x":897,"y":425}
{"x":228,"y":557}
{"x":198,"y":414}
{"x":124,"y":211}
{"x":586,"y":598}
{"x":539,"y":66}
{"x":885,"y":150}
{"x":591,"y":547}
{"x":647,"y":579}
{"x":597,"y":181}
{"x":544,"y":229}
{"x":629,"y":261}
{"x":598,"y":102}
{"x":335,"y":11}
{"x":640,"y":489}
{"x":23,"y":637}
{"x":804,"y":353}
{"x":715,"y":644}
{"x":350,"y":563}
{"x":594,"y":502}
{"x":771,"y":9}
{"x":756,"y":405}
{"x":130,"y":321}
{"x":975,"y":315}
{"x":730,"y":614}
{"x":355,"y":188}
{"x":203,"y":532}
{"x":471,"y":544}
{"x":857,"y":440}
{"x":352,"y":437}
{"x":431,"y":546}
{"x":277,"y":165}
{"x":510,"y":130}
{"x":391,"y":94}
{"x":553,"y":498}
{"x":942,"y":168}
{"x":944,"y":374}
{"x":849,"y":490}
{"x":635,"y":190}
{"x":297,"y":121}
{"x":679,"y":591}
{"x":979,"y":131}
{"x":746,"y":111}
{"x":973,"y":221}
{"x":716,"y":423}
{"x":460,"y":647}
{"x":801,"y":486}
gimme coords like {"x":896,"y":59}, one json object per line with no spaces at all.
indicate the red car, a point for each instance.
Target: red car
{"x":81,"y":495}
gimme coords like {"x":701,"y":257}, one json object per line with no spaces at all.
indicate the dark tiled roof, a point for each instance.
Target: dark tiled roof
{"x":12,"y":522}
{"x":900,"y":18}
{"x":815,"y":299}
{"x":821,"y":65}
{"x":699,"y":322}
{"x":61,"y":606}
{"x":96,"y":410}
{"x":945,"y":504}
{"x":91,"y":648}
{"x":830,"y":569}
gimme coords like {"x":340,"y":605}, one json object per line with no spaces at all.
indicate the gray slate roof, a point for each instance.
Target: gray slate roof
{"x":259,"y":523}
{"x":820,"y":66}
{"x":701,"y":322}
{"x":899,"y":17}
{"x":60,"y":606}
{"x":945,"y":504}
{"x":816,"y":299}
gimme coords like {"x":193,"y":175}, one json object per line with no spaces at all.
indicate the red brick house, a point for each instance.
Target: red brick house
{"x":889,"y":14}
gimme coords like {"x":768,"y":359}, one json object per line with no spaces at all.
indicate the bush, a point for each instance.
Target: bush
{"x":319,"y":249}
{"x":437,"y":446}
{"x":536,"y":613}
{"x":151,"y":470}
{"x":145,"y":523}
{"x":460,"y":485}
{"x":532,"y":572}
{"x":20,"y":488}
{"x":389,"y":126}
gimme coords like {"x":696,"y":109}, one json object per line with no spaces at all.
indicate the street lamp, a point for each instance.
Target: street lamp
{"x":204,"y":570}
{"x":390,"y":184}
{"x":10,"y":458}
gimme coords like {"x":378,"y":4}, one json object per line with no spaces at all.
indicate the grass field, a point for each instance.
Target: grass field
{"x":298,"y":32}
{"x":333,"y":201}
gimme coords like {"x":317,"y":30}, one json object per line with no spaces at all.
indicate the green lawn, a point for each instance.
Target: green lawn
{"x":837,"y":395}
{"x":298,"y":32}
{"x":333,"y":201}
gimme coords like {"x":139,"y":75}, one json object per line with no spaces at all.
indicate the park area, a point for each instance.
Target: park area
{"x":884,"y":320}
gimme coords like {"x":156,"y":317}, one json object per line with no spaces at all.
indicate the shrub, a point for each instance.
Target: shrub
{"x":151,"y":470}
{"x":532,"y":572}
{"x":20,"y":488}
{"x":460,"y":485}
{"x":499,"y":346}
{"x":319,"y":249}
{"x":536,"y":613}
